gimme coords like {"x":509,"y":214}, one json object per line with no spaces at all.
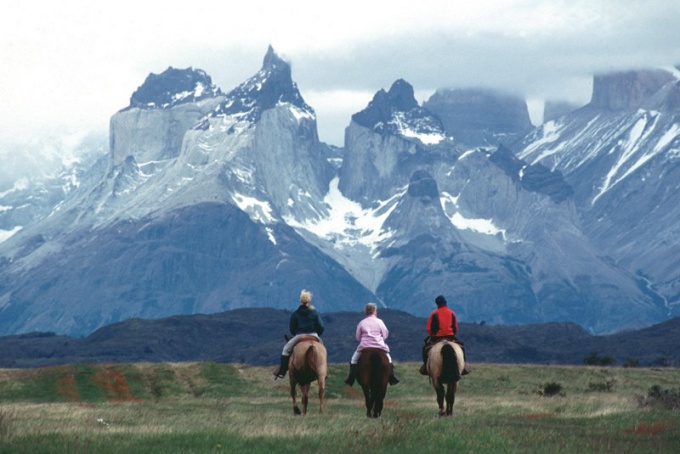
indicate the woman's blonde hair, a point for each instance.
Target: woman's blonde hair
{"x":370,"y":309}
{"x":305,"y":297}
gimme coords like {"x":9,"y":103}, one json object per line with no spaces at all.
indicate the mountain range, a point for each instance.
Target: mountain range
{"x":210,"y":200}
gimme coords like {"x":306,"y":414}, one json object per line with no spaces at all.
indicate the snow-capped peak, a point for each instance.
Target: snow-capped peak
{"x":172,"y":87}
{"x":272,"y":85}
{"x":397,"y":112}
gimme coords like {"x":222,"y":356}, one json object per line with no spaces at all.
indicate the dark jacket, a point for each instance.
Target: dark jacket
{"x":306,"y":320}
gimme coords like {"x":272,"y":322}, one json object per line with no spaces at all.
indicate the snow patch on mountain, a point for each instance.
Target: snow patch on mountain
{"x":550,"y":132}
{"x":19,"y":185}
{"x":6,"y":234}
{"x":666,"y":139}
{"x":638,"y":134}
{"x":348,"y":224}
{"x":673,"y":70}
{"x":484,"y":226}
{"x":258,"y":210}
{"x":424,"y":130}
{"x":298,"y":113}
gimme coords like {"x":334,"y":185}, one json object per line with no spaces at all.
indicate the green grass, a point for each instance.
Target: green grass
{"x":208,"y":407}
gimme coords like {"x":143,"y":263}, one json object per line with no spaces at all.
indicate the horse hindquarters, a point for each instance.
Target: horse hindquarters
{"x":372,"y":375}
{"x":308,"y":364}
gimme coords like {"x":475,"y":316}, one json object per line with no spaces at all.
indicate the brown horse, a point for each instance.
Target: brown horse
{"x":307,"y":363}
{"x":373,"y":371}
{"x":445,"y":365}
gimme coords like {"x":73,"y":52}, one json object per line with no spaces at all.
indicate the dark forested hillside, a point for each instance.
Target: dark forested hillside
{"x":255,"y":336}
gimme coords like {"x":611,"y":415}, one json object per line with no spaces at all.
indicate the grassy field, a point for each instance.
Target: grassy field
{"x":207,"y":407}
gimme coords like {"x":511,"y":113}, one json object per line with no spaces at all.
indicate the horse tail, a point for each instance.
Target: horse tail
{"x":376,"y":365}
{"x":310,"y":357}
{"x":450,"y":372}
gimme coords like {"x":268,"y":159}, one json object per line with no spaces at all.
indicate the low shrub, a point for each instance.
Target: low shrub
{"x":669,"y":398}
{"x":595,"y":359}
{"x":607,"y":386}
{"x":551,"y":389}
{"x":631,"y":362}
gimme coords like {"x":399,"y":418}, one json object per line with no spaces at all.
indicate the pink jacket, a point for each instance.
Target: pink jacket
{"x":371,"y":333}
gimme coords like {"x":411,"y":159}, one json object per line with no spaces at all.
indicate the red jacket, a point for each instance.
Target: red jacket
{"x":442,"y":322}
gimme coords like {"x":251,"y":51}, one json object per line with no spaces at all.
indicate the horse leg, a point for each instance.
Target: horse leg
{"x":378,"y":403}
{"x":440,"y":398}
{"x":367,"y":399}
{"x":450,"y":396}
{"x":293,"y":395}
{"x":322,"y":390}
{"x":305,"y":398}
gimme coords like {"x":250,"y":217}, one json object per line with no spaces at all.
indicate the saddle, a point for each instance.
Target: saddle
{"x":303,"y":338}
{"x":431,"y":340}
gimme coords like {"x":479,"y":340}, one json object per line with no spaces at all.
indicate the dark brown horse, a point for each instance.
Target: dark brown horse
{"x":445,"y":365}
{"x":307,"y":363}
{"x":373,"y":371}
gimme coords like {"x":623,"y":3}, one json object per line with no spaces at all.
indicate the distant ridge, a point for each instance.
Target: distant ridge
{"x":255,"y":336}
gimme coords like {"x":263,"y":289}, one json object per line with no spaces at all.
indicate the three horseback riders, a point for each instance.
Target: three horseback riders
{"x":371,"y":332}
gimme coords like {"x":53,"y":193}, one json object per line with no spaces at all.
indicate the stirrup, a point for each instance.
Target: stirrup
{"x":278,"y":374}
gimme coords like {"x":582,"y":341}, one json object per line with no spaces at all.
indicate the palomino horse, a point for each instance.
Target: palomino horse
{"x":307,"y":363}
{"x":373,"y":371}
{"x":445,"y":366}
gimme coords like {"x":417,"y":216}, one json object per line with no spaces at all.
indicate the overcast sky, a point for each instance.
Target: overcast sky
{"x":69,"y":65}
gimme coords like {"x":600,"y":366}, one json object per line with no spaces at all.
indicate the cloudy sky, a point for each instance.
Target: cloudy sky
{"x":69,"y":65}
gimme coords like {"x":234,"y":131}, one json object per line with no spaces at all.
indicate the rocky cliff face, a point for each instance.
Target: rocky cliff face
{"x":620,"y":154}
{"x":552,"y":110}
{"x":480,"y":117}
{"x":629,"y":90}
{"x":162,"y":109}
{"x":386,"y":142}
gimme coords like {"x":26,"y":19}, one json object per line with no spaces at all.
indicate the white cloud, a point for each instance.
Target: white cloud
{"x":74,"y":63}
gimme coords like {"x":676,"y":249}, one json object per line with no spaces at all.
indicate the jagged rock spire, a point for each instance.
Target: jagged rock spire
{"x":397,"y":112}
{"x":272,"y":61}
{"x":172,"y":87}
{"x":271,"y":85}
{"x":399,"y":98}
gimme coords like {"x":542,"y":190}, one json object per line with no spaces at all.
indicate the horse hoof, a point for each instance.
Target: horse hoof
{"x":296,"y":411}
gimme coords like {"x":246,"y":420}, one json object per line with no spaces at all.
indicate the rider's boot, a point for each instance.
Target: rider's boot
{"x":349,"y":379}
{"x":393,"y":380}
{"x":280,"y":371}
